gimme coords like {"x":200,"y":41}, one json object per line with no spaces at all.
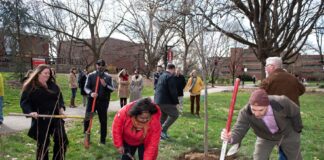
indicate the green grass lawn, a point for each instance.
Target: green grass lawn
{"x":186,"y":133}
{"x":13,"y":89}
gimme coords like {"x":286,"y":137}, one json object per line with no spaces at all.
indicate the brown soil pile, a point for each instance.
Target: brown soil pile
{"x":199,"y":155}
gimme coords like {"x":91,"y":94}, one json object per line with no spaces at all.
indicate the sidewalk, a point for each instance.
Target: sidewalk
{"x":12,"y":124}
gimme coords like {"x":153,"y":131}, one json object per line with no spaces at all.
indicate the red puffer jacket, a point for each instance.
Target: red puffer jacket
{"x":121,"y":131}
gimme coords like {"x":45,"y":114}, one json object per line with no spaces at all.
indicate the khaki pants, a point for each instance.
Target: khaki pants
{"x":290,"y":145}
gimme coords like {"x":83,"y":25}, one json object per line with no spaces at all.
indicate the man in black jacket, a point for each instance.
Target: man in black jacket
{"x":181,"y":83}
{"x":166,"y":96}
{"x":105,"y":87}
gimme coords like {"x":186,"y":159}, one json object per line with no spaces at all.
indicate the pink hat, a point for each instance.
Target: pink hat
{"x":259,"y":97}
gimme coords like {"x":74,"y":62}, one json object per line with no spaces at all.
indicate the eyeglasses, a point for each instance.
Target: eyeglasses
{"x":269,"y":65}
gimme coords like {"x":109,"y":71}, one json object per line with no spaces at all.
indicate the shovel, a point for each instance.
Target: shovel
{"x":230,"y":116}
{"x":233,"y":150}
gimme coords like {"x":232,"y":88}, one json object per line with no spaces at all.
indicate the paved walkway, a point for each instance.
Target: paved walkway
{"x":14,"y":124}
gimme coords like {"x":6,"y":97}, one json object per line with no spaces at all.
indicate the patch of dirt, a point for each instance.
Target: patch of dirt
{"x":196,"y":154}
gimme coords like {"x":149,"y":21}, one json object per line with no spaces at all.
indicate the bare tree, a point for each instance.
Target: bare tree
{"x":88,"y":15}
{"x":186,"y":28}
{"x":235,"y":63}
{"x":319,"y":33}
{"x":14,"y":24}
{"x":149,"y":23}
{"x":271,"y":28}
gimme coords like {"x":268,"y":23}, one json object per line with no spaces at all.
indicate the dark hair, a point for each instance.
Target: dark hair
{"x":32,"y":81}
{"x":143,"y":105}
{"x":170,"y":66}
{"x":101,"y":62}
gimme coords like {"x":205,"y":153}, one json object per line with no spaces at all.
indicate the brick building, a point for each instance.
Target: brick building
{"x":244,"y":61}
{"x":13,"y":56}
{"x":117,"y":54}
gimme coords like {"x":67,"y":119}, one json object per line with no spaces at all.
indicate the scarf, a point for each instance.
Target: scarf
{"x":193,"y":83}
{"x":137,"y":126}
{"x":124,"y":77}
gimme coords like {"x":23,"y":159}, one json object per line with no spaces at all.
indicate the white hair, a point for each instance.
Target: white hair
{"x":276,"y":61}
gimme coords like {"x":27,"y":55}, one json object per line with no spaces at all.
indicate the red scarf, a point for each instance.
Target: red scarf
{"x":124,"y":77}
{"x":137,"y":126}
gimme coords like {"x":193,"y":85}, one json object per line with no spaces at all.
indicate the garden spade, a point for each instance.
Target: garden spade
{"x":233,"y":150}
{"x":230,"y":116}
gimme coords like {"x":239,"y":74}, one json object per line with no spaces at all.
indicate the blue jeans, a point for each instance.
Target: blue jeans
{"x":1,"y":107}
{"x":282,"y":155}
{"x":74,"y":90}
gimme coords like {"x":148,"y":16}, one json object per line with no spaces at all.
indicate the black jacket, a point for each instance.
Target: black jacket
{"x":181,"y":83}
{"x":81,"y":81}
{"x":43,"y":101}
{"x":156,"y":78}
{"x":166,"y":89}
{"x":103,"y":91}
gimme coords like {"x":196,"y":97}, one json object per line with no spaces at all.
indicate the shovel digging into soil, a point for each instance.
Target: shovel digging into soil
{"x":233,"y":150}
{"x":229,"y":119}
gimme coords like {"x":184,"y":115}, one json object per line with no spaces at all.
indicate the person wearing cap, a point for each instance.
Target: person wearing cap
{"x":105,"y":87}
{"x":275,"y":120}
{"x":280,"y":82}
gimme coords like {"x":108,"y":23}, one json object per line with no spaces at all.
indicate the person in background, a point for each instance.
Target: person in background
{"x":105,"y":87}
{"x":280,"y":82}
{"x":123,"y":87}
{"x":274,"y":119}
{"x":253,"y":79}
{"x":194,"y":86}
{"x":1,"y":98}
{"x":157,"y":74}
{"x":41,"y":95}
{"x":81,"y":81}
{"x":137,"y":126}
{"x":136,"y":86}
{"x":166,"y":97}
{"x":73,"y":85}
{"x":181,"y":83}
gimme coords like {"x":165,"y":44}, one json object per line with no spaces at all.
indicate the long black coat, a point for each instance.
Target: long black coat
{"x":181,"y":83}
{"x":81,"y":81}
{"x":43,"y":101}
{"x":166,"y":89}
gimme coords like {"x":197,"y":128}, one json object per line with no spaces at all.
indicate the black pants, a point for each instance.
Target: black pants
{"x":101,"y":107}
{"x":129,"y":152}
{"x":123,"y":102}
{"x":60,"y":142}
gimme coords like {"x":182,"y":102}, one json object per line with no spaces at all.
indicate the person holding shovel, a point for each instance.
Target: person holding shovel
{"x":275,"y":120}
{"x":41,"y":95}
{"x":102,"y":96}
{"x":137,"y":127}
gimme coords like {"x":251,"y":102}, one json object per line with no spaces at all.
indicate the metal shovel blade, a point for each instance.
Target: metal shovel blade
{"x":234,"y":149}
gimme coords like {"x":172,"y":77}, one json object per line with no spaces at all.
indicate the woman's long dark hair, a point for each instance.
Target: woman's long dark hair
{"x":143,"y":105}
{"x":32,"y":82}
